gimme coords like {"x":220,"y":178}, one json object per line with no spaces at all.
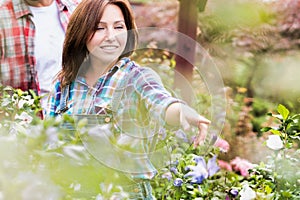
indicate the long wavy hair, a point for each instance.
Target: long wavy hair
{"x":82,"y":27}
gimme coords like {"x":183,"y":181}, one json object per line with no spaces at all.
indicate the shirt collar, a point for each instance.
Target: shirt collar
{"x":21,"y":8}
{"x":119,"y":65}
{"x":63,"y":5}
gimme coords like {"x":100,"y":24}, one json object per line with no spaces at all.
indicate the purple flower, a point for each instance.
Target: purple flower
{"x":167,"y":175}
{"x":174,"y":170}
{"x":162,"y":134}
{"x":234,"y":192}
{"x":202,"y":171}
{"x":180,"y":134}
{"x":178,"y":182}
{"x":212,"y":166}
{"x":176,"y":162}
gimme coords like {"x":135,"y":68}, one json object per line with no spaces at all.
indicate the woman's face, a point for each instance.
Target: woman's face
{"x":110,"y":38}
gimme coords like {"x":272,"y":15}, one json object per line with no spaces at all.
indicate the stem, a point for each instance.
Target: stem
{"x":285,"y":140}
{"x":178,"y":192}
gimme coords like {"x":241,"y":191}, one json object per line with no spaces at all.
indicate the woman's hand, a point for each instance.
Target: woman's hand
{"x":203,"y":129}
{"x":181,"y":114}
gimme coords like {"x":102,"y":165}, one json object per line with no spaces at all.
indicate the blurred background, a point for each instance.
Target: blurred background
{"x":255,"y":46}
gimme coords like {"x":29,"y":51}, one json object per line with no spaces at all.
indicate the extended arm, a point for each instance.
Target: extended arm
{"x":185,"y":116}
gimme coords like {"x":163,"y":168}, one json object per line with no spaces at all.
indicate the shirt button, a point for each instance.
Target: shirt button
{"x":107,"y":119}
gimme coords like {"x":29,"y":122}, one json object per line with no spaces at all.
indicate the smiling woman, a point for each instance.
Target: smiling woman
{"x":108,"y":42}
{"x":105,"y":24}
{"x":123,"y":103}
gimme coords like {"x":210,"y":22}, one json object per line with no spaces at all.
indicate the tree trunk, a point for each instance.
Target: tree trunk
{"x":187,"y":25}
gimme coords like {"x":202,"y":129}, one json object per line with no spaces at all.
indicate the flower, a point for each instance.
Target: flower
{"x":212,"y":166}
{"x":162,"y":134}
{"x":234,"y":192}
{"x":27,"y":101}
{"x":178,"y":182}
{"x":174,"y":170}
{"x":274,"y":142}
{"x":224,"y":165}
{"x":25,"y":118}
{"x":167,"y":175}
{"x":223,"y":145}
{"x":175,"y":163}
{"x":202,"y":171}
{"x":181,"y":135}
{"x":247,"y":193}
{"x":241,"y":165}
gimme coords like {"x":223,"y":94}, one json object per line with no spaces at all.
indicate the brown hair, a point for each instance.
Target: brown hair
{"x":82,"y":26}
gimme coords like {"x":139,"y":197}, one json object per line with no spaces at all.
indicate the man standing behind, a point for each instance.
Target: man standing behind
{"x":31,"y":37}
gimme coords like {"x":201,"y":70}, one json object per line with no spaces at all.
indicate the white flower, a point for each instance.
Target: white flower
{"x":274,"y":142}
{"x":22,"y":102}
{"x":247,"y":193}
{"x":25,"y":118}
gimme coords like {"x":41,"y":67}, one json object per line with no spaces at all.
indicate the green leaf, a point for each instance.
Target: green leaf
{"x":283,"y":111}
{"x":33,"y":94}
{"x":19,"y":92}
{"x":276,"y":132}
{"x":268,"y":189}
{"x":265,"y":129}
{"x":286,"y":194}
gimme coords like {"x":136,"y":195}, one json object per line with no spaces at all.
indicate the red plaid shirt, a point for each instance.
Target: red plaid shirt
{"x":17,"y":31}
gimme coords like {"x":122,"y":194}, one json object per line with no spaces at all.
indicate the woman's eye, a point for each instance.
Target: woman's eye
{"x":119,"y":27}
{"x":100,"y":28}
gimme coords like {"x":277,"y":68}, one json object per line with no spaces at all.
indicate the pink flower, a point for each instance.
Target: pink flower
{"x":224,"y":165}
{"x":241,"y":165}
{"x":222,"y":144}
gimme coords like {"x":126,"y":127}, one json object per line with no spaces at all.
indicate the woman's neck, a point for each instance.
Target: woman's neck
{"x":95,"y":70}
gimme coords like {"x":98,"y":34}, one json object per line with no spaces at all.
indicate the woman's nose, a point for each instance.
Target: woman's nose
{"x":110,"y":34}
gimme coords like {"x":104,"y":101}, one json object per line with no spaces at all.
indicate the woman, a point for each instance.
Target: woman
{"x":98,"y":78}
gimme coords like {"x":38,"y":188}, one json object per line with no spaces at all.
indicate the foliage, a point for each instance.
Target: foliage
{"x":173,"y":182}
{"x":43,"y":159}
{"x":254,"y":44}
{"x":17,"y":100}
{"x":276,"y":179}
{"x":281,"y":172}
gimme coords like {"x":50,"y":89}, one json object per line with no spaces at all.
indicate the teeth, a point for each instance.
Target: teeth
{"x":109,"y":47}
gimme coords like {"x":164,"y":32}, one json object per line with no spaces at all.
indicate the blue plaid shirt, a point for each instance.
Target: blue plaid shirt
{"x":138,"y":110}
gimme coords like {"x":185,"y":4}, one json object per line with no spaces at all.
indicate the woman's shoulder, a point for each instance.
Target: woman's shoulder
{"x":131,"y":65}
{"x":58,"y":88}
{"x":57,"y":84}
{"x":132,"y":69}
